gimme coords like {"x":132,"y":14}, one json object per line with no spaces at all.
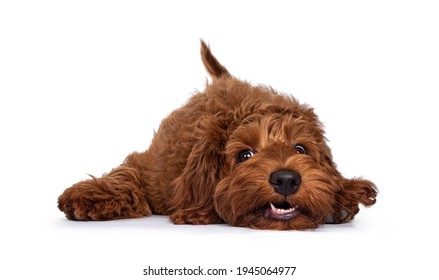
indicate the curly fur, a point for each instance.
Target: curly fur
{"x":191,"y":170}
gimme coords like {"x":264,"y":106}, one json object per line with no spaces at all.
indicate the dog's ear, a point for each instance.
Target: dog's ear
{"x":215,"y":69}
{"x":353,"y":192}
{"x":194,"y":188}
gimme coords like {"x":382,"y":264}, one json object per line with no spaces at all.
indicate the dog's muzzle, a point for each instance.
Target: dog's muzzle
{"x":285,"y":182}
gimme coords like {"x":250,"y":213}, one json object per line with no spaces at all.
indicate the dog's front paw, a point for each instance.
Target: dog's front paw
{"x":80,"y":206}
{"x":354,"y":192}
{"x":76,"y":208}
{"x":93,"y":201}
{"x":195,"y":217}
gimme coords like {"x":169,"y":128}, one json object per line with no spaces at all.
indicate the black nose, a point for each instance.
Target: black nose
{"x":285,"y":182}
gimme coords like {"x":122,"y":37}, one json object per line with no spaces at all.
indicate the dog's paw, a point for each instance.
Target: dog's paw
{"x":195,"y":217}
{"x":78,"y":209}
{"x":84,"y":209}
{"x":82,"y":203}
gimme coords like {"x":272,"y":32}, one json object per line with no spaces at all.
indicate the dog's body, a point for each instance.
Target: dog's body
{"x":236,"y":153}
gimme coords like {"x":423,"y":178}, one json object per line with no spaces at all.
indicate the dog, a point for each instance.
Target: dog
{"x":239,"y":154}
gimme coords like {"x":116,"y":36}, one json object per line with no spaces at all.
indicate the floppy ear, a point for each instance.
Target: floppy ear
{"x":215,"y":69}
{"x":194,"y":189}
{"x":354,"y":191}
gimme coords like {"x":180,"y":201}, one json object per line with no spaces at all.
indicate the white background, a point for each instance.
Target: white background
{"x":84,"y":83}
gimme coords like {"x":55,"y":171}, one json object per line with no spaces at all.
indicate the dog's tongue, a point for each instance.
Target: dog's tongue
{"x":281,"y":214}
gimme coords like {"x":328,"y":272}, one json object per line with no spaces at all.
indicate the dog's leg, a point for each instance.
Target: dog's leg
{"x":116,"y":195}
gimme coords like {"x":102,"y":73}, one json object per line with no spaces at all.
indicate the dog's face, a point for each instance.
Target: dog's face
{"x":278,"y":171}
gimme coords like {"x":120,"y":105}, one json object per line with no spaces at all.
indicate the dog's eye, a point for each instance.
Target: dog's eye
{"x":300,"y":149}
{"x":245,"y":155}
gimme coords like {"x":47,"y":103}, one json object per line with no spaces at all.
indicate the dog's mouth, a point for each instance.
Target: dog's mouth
{"x":281,"y":211}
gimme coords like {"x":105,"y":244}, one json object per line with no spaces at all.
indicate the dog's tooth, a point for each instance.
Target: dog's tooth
{"x":272,"y":207}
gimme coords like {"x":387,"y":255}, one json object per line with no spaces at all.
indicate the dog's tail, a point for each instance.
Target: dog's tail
{"x":215,"y":69}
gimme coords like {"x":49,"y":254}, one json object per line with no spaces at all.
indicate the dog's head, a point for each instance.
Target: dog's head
{"x":267,"y":159}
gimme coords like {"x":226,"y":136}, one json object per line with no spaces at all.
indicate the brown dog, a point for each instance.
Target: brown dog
{"x":239,"y":154}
